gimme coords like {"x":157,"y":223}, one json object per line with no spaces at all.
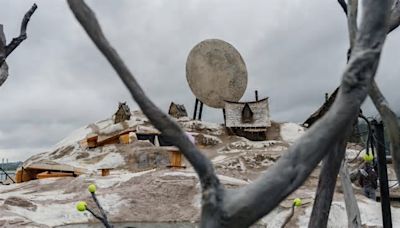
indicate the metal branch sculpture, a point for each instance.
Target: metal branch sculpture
{"x":6,"y":50}
{"x":245,"y":206}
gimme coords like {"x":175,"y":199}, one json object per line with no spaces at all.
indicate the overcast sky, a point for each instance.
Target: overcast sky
{"x":294,"y":50}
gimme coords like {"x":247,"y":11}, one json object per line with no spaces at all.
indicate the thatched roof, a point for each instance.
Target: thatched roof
{"x":258,"y":110}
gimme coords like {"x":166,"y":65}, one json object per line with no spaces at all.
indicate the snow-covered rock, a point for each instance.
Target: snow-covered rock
{"x":290,"y":132}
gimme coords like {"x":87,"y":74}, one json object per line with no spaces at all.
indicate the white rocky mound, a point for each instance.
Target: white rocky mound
{"x":142,"y":190}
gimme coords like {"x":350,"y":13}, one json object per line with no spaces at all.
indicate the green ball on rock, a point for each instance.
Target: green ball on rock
{"x":92,"y":188}
{"x":368,"y":157}
{"x":81,"y":206}
{"x":297,"y":202}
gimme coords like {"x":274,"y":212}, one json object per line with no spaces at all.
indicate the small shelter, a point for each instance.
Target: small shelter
{"x":123,"y":113}
{"x":248,"y":119}
{"x":45,"y":169}
{"x":177,"y":110}
{"x":147,"y":133}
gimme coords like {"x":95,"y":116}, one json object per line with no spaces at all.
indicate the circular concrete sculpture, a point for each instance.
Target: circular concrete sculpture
{"x":216,"y":72}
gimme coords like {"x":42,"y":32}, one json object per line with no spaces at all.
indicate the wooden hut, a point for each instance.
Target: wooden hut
{"x":45,"y":169}
{"x":248,"y":119}
{"x":123,"y":113}
{"x":177,"y":110}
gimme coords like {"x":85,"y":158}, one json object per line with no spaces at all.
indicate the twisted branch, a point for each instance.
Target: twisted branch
{"x":3,"y":65}
{"x":244,"y":206}
{"x":387,"y":114}
{"x":212,"y":189}
{"x":5,"y":51}
{"x":391,"y":124}
{"x":22,"y":35}
{"x":332,"y":162}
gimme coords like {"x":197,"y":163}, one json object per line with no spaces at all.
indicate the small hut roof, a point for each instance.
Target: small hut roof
{"x":125,"y":109}
{"x":233,"y":114}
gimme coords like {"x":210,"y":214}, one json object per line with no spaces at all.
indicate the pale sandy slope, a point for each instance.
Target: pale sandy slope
{"x":141,"y":188}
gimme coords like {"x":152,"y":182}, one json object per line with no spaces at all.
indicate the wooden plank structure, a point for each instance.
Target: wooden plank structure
{"x":50,"y":174}
{"x":92,"y":141}
{"x":45,"y":169}
{"x":176,"y":159}
{"x":123,"y":137}
{"x":147,"y":133}
{"x":105,"y":171}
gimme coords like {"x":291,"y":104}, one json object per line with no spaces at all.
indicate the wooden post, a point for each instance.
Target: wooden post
{"x":383,"y":176}
{"x":176,"y":160}
{"x":223,"y":112}
{"x":124,"y":138}
{"x":92,"y":141}
{"x":201,"y":110}
{"x":105,"y":171}
{"x":196,"y":103}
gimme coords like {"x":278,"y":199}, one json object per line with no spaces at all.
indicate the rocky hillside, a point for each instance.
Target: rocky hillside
{"x":141,"y":189}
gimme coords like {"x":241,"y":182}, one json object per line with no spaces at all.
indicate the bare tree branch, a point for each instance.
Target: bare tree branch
{"x":289,"y":217}
{"x":243,"y":207}
{"x":2,"y":43}
{"x":212,"y":190}
{"x":5,"y":50}
{"x":352,"y":210}
{"x":343,"y":4}
{"x":3,"y":64}
{"x":97,"y":216}
{"x":395,"y":16}
{"x":326,"y":185}
{"x":391,"y":124}
{"x":387,"y":114}
{"x":290,"y":171}
{"x":332,"y":162}
{"x":102,"y":212}
{"x":352,"y":6}
{"x":324,"y":196}
{"x":393,"y":24}
{"x":22,"y":36}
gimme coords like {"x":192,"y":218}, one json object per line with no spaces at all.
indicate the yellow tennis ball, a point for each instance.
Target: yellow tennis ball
{"x":81,"y":206}
{"x":297,"y":202}
{"x":92,"y":188}
{"x":368,"y":157}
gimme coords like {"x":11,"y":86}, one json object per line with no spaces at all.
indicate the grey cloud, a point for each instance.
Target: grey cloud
{"x":294,"y":50}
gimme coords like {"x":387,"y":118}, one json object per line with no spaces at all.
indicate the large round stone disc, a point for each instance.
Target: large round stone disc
{"x":216,"y":72}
